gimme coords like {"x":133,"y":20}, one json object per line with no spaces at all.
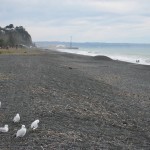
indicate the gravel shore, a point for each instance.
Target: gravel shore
{"x":82,"y":102}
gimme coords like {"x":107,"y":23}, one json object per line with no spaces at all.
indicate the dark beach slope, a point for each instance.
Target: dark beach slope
{"x":81,"y":102}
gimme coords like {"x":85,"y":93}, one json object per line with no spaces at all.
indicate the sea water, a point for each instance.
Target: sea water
{"x":134,"y":53}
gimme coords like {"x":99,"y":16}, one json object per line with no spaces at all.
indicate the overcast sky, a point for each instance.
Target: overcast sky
{"x":84,"y":20}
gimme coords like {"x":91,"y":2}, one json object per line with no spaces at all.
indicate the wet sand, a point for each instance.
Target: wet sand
{"x":82,"y":102}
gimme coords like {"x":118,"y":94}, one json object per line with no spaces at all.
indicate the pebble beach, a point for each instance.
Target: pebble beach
{"x":82,"y":102}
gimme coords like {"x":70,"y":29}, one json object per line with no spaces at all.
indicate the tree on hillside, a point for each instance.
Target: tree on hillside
{"x":1,"y":42}
{"x":20,"y":28}
{"x":11,"y":40}
{"x":10,"y":26}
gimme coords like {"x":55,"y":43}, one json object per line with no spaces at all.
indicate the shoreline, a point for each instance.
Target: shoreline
{"x":81,"y":102}
{"x":136,"y":63}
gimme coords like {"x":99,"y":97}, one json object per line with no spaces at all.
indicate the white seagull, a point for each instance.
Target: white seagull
{"x":34,"y":124}
{"x":16,"y":118}
{"x":21,"y":132}
{"x":4,"y":129}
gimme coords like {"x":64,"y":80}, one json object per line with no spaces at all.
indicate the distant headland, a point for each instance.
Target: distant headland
{"x":11,"y":36}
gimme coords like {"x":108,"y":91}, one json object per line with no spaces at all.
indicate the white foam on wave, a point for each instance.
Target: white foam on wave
{"x":80,"y":52}
{"x":136,"y":59}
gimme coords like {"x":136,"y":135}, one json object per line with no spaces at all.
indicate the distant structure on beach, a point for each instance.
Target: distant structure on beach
{"x":71,"y":47}
{"x":67,"y":47}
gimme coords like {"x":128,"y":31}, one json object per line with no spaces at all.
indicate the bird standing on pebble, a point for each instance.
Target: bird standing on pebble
{"x":21,"y":132}
{"x":4,"y":129}
{"x":34,"y":124}
{"x":16,"y":118}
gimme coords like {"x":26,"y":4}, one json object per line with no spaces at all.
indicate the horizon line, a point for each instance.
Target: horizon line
{"x":95,"y":42}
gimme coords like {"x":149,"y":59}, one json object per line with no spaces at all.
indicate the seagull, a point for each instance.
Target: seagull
{"x":21,"y":132}
{"x":34,"y":124}
{"x":4,"y":129}
{"x":16,"y":118}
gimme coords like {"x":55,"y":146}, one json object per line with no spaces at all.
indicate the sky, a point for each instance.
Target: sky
{"x":117,"y":21}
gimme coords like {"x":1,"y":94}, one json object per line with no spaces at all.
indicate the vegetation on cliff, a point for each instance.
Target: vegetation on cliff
{"x":12,"y":36}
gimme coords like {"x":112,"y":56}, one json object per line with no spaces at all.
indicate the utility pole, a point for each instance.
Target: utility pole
{"x":70,"y":41}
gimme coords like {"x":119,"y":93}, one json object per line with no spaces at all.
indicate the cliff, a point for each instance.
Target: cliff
{"x":11,"y":36}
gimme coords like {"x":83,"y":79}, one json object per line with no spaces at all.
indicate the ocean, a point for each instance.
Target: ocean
{"x":117,"y":51}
